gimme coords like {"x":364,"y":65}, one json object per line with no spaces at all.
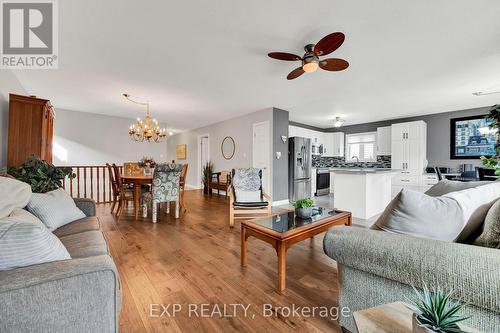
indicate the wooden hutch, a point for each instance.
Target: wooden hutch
{"x":31,"y":129}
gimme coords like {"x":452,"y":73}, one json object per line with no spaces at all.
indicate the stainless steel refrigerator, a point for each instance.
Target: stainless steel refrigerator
{"x":299,"y":168}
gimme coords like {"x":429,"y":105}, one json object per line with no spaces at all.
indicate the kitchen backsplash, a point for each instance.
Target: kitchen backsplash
{"x":340,"y":162}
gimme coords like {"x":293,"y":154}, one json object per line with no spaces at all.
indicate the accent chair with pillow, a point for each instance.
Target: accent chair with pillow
{"x":56,"y":275}
{"x":450,"y":239}
{"x":247,"y":197}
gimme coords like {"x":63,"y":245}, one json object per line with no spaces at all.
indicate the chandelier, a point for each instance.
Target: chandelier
{"x":147,"y":130}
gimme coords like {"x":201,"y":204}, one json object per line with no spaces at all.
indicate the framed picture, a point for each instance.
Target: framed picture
{"x":181,"y":152}
{"x":471,"y":137}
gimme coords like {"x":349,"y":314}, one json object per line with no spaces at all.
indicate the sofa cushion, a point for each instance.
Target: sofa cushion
{"x":446,"y":186}
{"x":490,"y":236}
{"x":55,"y":208}
{"x":85,"y":244}
{"x":75,"y":227}
{"x":25,"y":241}
{"x":451,"y":217}
{"x":13,"y":194}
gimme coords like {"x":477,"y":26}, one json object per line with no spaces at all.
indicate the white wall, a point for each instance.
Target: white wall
{"x":82,"y":138}
{"x":240,"y":129}
{"x":8,"y":84}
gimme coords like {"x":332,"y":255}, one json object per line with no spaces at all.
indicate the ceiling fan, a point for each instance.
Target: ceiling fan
{"x":310,"y":60}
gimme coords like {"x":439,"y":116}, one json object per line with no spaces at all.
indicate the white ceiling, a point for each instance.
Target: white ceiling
{"x":200,"y":62}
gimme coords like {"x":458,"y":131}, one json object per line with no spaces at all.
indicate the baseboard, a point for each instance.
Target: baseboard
{"x":280,"y":203}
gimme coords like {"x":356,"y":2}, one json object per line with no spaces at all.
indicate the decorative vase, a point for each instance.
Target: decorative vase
{"x":419,"y":329}
{"x":303,"y":213}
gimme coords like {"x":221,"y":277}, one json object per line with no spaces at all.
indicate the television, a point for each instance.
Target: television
{"x":471,"y":137}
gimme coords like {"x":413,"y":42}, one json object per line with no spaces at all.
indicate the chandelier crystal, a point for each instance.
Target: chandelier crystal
{"x":147,"y":130}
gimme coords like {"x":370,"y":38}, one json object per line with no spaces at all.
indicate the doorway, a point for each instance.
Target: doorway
{"x":203,"y":156}
{"x":260,"y":152}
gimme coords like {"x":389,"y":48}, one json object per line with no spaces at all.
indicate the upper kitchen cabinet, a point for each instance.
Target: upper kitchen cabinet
{"x":384,"y":140}
{"x":333,"y":145}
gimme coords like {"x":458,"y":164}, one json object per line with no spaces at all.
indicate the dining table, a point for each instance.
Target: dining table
{"x":137,"y":180}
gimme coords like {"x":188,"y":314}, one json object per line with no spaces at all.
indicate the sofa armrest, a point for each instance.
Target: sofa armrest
{"x":472,"y":272}
{"x":77,"y":295}
{"x":86,"y":205}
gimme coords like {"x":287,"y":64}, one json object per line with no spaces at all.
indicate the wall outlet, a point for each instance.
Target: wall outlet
{"x":278,"y":155}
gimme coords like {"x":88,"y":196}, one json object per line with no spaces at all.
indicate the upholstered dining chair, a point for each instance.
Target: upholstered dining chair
{"x":247,"y":197}
{"x":166,"y":188}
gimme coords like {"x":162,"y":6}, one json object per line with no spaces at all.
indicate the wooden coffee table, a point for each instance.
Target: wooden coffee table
{"x":284,"y":230}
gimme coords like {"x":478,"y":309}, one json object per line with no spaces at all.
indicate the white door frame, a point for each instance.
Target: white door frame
{"x":200,"y":167}
{"x":269,"y":171}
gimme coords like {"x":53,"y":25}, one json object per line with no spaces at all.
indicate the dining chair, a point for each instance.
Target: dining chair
{"x":126,"y":193}
{"x":165,"y":188}
{"x":115,"y":189}
{"x":182,"y":183}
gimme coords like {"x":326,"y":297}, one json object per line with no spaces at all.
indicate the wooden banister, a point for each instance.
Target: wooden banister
{"x":91,"y":182}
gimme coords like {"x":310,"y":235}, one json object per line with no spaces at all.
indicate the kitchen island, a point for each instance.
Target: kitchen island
{"x":364,"y":192}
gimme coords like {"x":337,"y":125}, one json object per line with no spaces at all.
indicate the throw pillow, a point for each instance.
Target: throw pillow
{"x":417,"y":214}
{"x":55,"y":208}
{"x":247,"y":196}
{"x":490,"y":237}
{"x":451,"y":217}
{"x":446,"y":186}
{"x":13,"y":194}
{"x":25,"y":241}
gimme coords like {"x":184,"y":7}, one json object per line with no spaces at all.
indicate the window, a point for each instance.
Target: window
{"x":362,"y":146}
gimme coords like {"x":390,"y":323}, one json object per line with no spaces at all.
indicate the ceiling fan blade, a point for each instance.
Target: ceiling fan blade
{"x":295,"y":73}
{"x":284,"y":56}
{"x":333,"y":64}
{"x":329,"y":43}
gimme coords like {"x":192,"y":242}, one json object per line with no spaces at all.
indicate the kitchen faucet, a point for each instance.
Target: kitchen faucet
{"x":355,"y":157}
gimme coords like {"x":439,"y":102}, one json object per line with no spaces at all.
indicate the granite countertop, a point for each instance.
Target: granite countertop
{"x":362,"y":170}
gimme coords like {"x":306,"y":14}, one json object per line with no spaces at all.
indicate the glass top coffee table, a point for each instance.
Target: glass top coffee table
{"x":284,"y":230}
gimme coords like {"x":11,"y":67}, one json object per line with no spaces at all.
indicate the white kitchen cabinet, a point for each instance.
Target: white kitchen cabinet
{"x":334,"y":144}
{"x":409,"y":154}
{"x":384,"y":140}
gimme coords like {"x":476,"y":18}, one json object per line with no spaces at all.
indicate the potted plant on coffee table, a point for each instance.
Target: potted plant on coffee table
{"x":303,"y":208}
{"x":435,"y":312}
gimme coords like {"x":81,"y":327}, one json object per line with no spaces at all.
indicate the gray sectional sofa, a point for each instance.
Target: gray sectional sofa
{"x":77,"y":295}
{"x":376,"y":267}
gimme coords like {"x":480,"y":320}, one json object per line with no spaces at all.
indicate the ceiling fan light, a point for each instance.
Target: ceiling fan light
{"x":338,"y":122}
{"x":310,"y":67}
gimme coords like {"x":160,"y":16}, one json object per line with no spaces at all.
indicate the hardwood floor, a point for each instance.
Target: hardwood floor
{"x":196,"y":259}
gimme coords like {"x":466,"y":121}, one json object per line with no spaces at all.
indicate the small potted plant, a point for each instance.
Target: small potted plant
{"x":303,"y":208}
{"x":435,"y":312}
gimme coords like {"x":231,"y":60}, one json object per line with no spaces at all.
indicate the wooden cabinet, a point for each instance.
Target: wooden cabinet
{"x":384,"y":140}
{"x":31,"y":129}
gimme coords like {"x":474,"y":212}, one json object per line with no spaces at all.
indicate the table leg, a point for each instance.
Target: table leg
{"x":281,"y":266}
{"x":137,"y":194}
{"x":243,"y":247}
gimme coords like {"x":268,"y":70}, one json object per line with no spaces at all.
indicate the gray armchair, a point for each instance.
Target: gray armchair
{"x":377,"y":267}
